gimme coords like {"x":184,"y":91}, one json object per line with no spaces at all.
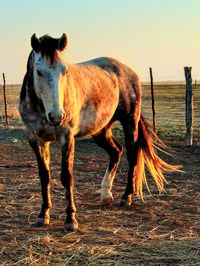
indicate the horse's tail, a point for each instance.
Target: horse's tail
{"x":147,"y":156}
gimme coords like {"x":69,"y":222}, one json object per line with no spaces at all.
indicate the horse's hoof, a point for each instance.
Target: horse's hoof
{"x":107,"y":201}
{"x":125,"y":202}
{"x":41,"y":222}
{"x":71,"y":227}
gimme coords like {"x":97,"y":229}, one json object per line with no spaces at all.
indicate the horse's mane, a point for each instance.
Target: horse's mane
{"x":47,"y":46}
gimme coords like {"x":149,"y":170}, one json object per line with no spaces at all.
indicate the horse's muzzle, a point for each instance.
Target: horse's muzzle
{"x":56,"y":120}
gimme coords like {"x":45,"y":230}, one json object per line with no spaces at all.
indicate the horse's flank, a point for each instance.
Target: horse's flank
{"x":95,"y":98}
{"x":98,"y":92}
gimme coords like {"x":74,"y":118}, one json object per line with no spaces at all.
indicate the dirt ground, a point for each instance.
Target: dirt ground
{"x":162,"y":230}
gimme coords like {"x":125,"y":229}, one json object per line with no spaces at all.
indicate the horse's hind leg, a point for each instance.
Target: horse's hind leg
{"x":106,"y":141}
{"x":131,"y":143}
{"x":42,"y":153}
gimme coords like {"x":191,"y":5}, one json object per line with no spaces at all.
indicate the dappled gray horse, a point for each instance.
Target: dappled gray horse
{"x":61,"y":101}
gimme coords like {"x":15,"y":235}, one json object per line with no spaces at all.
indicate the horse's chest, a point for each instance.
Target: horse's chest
{"x":37,"y":125}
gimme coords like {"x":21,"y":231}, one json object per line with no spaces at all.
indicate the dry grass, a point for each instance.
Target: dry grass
{"x":163,"y":230}
{"x":170,"y":109}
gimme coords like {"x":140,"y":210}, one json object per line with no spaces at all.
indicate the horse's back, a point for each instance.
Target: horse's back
{"x":128,"y":80}
{"x":111,"y":65}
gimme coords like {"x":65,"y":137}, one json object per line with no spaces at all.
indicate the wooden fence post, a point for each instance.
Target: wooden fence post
{"x":195,"y":83}
{"x":152,"y":100}
{"x":189,"y":106}
{"x":5,"y":100}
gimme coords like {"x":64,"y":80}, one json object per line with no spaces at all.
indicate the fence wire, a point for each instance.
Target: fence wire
{"x":169,"y":108}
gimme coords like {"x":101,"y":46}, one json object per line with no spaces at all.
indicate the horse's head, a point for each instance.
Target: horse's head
{"x":49,"y":75}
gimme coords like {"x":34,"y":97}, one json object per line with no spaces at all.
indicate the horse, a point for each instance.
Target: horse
{"x":61,"y":102}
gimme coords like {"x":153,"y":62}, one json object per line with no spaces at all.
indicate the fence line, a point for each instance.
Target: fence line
{"x":189,"y":106}
{"x":5,"y":99}
{"x":152,"y":100}
{"x":169,"y":107}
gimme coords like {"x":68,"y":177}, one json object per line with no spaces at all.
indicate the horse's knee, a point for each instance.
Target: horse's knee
{"x":115,"y":156}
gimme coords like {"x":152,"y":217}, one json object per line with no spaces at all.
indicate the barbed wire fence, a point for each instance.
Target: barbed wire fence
{"x":170,"y":108}
{"x":169,"y":98}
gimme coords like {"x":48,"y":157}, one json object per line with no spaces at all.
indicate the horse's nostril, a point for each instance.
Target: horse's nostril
{"x":56,"y":120}
{"x":63,"y":115}
{"x":50,"y":117}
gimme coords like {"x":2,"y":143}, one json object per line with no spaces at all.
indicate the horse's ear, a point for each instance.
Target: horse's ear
{"x":62,"y":42}
{"x":35,"y":43}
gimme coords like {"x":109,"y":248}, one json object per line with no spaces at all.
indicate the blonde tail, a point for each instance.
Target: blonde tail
{"x":147,"y":156}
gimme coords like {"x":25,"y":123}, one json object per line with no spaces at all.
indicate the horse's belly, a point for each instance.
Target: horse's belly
{"x":94,"y":118}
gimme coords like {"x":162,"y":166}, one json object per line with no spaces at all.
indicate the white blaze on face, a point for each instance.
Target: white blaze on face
{"x":49,"y":82}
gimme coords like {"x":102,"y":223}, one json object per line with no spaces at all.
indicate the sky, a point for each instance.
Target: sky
{"x":162,"y":34}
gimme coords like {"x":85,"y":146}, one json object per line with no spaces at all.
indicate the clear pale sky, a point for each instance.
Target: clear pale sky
{"x":163,"y":34}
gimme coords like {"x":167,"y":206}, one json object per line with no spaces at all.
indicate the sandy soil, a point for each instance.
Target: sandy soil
{"x":162,"y":230}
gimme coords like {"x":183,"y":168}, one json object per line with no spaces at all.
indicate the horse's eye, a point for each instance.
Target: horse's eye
{"x":39,"y":73}
{"x":65,"y":71}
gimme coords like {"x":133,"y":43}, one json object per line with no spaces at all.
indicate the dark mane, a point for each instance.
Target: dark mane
{"x":48,"y":47}
{"x":28,"y":87}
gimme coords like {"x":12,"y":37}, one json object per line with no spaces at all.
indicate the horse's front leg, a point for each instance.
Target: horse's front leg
{"x":42,"y":153}
{"x":67,"y":180}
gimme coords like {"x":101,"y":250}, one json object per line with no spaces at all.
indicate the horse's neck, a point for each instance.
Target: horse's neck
{"x":75,"y":82}
{"x":71,"y":96}
{"x":80,"y":79}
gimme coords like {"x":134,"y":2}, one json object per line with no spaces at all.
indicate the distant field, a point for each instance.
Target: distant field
{"x":169,"y":107}
{"x":12,"y":95}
